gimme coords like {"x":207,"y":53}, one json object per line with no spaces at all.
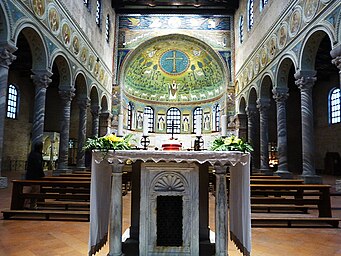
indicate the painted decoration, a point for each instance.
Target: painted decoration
{"x":75,"y":45}
{"x":264,"y":57}
{"x":185,"y":123}
{"x":295,"y":22}
{"x":282,"y":35}
{"x":39,"y":7}
{"x":91,"y":62}
{"x":174,"y":68}
{"x":84,"y":55}
{"x":54,"y":20}
{"x":256,"y":65}
{"x":310,"y":8}
{"x":66,"y":34}
{"x":161,"y":122}
{"x":272,"y":47}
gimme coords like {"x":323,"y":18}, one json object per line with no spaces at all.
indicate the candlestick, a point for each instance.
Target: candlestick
{"x":120,"y":125}
{"x":223,"y":125}
{"x":145,"y":125}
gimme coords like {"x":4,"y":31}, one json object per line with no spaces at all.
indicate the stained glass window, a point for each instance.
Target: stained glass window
{"x":241,"y":29}
{"x":197,"y":112}
{"x":173,"y":120}
{"x":12,"y":102}
{"x":130,"y":116}
{"x":262,"y":4}
{"x":149,"y":111}
{"x":334,"y":106}
{"x":107,"y":28}
{"x":217,"y":117}
{"x":250,"y":14}
{"x":98,"y":12}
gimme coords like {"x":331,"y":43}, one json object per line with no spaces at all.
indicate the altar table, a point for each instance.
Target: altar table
{"x":106,"y":195}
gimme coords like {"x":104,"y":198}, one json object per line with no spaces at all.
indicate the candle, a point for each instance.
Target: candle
{"x":145,"y":125}
{"x":198,"y":126}
{"x":223,"y":125}
{"x":120,"y":125}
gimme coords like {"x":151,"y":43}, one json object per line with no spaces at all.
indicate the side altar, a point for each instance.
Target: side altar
{"x":169,"y":205}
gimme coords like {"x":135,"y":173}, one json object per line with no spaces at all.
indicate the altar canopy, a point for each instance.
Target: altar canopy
{"x":102,"y":213}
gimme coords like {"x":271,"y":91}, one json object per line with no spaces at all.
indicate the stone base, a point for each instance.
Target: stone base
{"x":284,"y":174}
{"x":268,"y":172}
{"x":57,"y":172}
{"x":3,"y":182}
{"x":311,"y":179}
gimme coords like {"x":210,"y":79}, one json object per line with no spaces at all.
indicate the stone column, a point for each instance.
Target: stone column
{"x":66,"y":96}
{"x":240,"y":120}
{"x":263,"y":105}
{"x":280,"y":96}
{"x":115,"y":229}
{"x":41,"y":81}
{"x":336,"y":55}
{"x":6,"y":59}
{"x":305,"y":81}
{"x":95,"y":120}
{"x":105,"y":122}
{"x":221,"y":214}
{"x":251,"y":113}
{"x":82,"y":104}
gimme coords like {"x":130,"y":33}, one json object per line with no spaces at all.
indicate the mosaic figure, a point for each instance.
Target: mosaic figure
{"x":54,"y":20}
{"x":75,"y":45}
{"x":39,"y":7}
{"x":295,"y":22}
{"x":84,"y":54}
{"x":66,"y":34}
{"x":310,"y":8}
{"x":161,"y":123}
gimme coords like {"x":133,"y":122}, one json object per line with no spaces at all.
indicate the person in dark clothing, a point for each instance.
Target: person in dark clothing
{"x":34,"y":172}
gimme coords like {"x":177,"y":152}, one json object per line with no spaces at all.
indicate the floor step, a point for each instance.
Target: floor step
{"x":46,"y":214}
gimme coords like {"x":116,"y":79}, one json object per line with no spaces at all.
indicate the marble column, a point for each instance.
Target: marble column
{"x":221,"y":213}
{"x":105,"y":123}
{"x":263,"y":106}
{"x":66,"y":97}
{"x":305,"y":81}
{"x":241,"y":125}
{"x":115,"y":228}
{"x":83,"y":105}
{"x":336,"y":55}
{"x":6,"y":59}
{"x":251,"y":113}
{"x":280,"y":96}
{"x":41,"y":80}
{"x":95,"y":120}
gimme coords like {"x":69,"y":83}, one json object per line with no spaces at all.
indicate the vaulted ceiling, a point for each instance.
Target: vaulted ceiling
{"x":176,"y":6}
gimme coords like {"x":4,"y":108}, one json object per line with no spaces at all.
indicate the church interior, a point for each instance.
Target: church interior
{"x":180,"y":73}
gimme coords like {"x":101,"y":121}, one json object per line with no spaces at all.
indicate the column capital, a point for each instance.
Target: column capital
{"x":263,"y":104}
{"x":305,"y":79}
{"x":83,"y":103}
{"x":337,"y":62}
{"x":220,"y":169}
{"x":41,"y":78}
{"x":6,"y":57}
{"x":67,"y":94}
{"x":251,"y":111}
{"x":95,"y":110}
{"x":280,"y":95}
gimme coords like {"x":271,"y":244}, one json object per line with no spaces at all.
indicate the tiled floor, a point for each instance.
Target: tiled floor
{"x":57,"y":238}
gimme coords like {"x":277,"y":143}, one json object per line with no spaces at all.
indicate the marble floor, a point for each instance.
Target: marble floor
{"x":69,"y":238}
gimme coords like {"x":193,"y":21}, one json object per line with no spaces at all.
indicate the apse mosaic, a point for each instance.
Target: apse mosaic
{"x":174,"y":68}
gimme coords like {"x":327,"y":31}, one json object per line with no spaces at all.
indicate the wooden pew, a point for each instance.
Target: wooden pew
{"x":298,"y":196}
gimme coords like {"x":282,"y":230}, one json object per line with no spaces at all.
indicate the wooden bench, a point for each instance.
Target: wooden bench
{"x":292,"y":196}
{"x":61,"y":194}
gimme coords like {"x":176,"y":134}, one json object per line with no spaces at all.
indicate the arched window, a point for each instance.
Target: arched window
{"x":216,"y":111}
{"x":250,"y":14}
{"x":241,"y":29}
{"x":173,"y":120}
{"x":262,"y":4}
{"x":334,"y":106}
{"x":130,"y":115}
{"x":107,"y":29}
{"x":149,"y":111}
{"x":12,"y":102}
{"x":197,"y":113}
{"x":98,"y":12}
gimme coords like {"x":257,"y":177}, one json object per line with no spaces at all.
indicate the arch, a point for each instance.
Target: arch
{"x":265,"y":87}
{"x":81,"y":86}
{"x":310,"y":46}
{"x":283,"y":70}
{"x":64,"y":69}
{"x":39,"y":50}
{"x":94,"y":95}
{"x":242,"y":105}
{"x":252,"y":97}
{"x":4,"y":25}
{"x":104,"y":104}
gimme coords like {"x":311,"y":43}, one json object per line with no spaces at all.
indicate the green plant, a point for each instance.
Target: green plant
{"x":231,"y":143}
{"x":109,"y":142}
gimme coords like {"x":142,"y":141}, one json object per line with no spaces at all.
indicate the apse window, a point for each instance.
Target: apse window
{"x":149,"y":112}
{"x":173,"y":121}
{"x":217,"y":117}
{"x":98,"y":12}
{"x":250,"y":14}
{"x":334,"y":106}
{"x":12,"y":102}
{"x":130,"y":115}
{"x":197,"y":113}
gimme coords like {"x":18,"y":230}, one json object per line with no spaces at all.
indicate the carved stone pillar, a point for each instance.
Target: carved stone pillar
{"x":221,"y":213}
{"x":41,"y":81}
{"x":66,"y":96}
{"x":251,"y":113}
{"x":105,"y":123}
{"x":95,"y":120}
{"x":336,"y":55}
{"x":6,"y":59}
{"x":305,"y":82}
{"x":240,"y":120}
{"x":263,"y":105}
{"x":280,"y":96}
{"x":82,"y":104}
